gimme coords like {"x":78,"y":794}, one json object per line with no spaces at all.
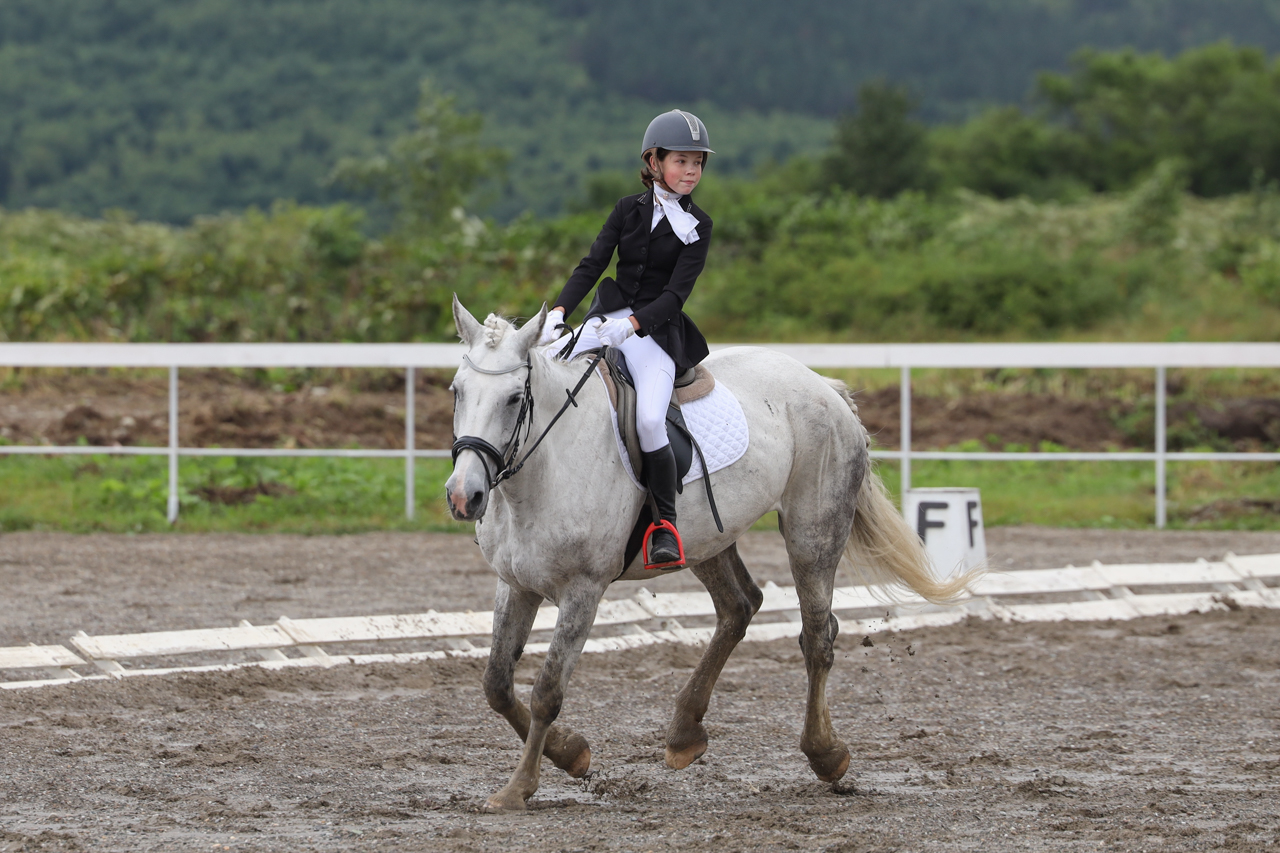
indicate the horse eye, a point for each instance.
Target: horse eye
{"x":513,"y":399}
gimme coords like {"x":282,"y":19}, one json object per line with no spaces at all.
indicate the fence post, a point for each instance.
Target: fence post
{"x":409,"y":423}
{"x":173,"y":444}
{"x":906,"y":433}
{"x":1161,"y":448}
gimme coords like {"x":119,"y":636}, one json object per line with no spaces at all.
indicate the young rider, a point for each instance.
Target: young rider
{"x":661,"y":238}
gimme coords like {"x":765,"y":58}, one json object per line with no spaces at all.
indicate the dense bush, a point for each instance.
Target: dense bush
{"x":293,"y":274}
{"x":786,"y":263}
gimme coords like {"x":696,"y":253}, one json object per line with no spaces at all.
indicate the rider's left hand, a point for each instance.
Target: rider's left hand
{"x":555,"y":317}
{"x":614,"y":332}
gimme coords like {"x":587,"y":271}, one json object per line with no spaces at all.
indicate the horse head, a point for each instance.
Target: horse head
{"x":489,"y":403}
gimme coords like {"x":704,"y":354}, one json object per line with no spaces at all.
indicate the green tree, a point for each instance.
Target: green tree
{"x":1004,"y":153}
{"x":1217,"y":108}
{"x":429,"y":172}
{"x":879,"y":150}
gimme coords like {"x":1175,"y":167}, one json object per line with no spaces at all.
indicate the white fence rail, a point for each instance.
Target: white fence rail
{"x":1092,"y":593}
{"x":904,"y":357}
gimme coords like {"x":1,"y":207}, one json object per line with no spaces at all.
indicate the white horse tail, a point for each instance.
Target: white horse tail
{"x":884,"y":549}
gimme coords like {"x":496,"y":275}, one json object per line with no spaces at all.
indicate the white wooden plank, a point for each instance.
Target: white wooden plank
{"x":1169,"y":574}
{"x":864,"y":597}
{"x":33,"y":657}
{"x":764,"y":632}
{"x":1031,"y":581}
{"x":1252,"y":598}
{"x":48,"y":682}
{"x":621,"y":642}
{"x":667,"y":604}
{"x":1177,"y":604}
{"x":354,"y":629}
{"x":1261,"y":566}
{"x":128,"y":646}
{"x":308,"y":635}
{"x":934,"y":619}
{"x":619,"y":612}
{"x":778,"y":598}
{"x":1073,"y":611}
{"x":264,"y":654}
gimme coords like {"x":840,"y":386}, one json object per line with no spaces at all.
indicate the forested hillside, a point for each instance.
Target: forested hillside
{"x":185,"y":107}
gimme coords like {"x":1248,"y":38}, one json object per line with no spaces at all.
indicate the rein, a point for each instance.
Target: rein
{"x":505,"y":459}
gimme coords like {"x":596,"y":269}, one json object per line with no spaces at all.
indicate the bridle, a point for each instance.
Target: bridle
{"x":484,"y":449}
{"x":504,"y":459}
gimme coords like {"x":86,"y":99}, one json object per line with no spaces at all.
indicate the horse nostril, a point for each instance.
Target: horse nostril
{"x":475,"y":499}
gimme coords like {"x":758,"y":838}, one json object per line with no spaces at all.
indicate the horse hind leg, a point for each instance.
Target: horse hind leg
{"x":513,"y":617}
{"x":736,"y":598}
{"x":816,"y":522}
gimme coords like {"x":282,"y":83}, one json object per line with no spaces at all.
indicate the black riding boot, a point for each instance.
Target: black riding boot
{"x":660,"y":473}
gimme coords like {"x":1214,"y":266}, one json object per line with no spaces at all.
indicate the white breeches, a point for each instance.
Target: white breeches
{"x":655,"y":376}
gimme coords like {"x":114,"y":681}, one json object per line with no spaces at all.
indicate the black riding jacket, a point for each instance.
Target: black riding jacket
{"x":656,"y":274}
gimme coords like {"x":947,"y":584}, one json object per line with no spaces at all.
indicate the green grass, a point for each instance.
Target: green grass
{"x":1104,"y":494}
{"x":128,"y":494}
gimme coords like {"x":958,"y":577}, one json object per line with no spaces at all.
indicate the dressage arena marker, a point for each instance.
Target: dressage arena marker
{"x":1091,"y":593}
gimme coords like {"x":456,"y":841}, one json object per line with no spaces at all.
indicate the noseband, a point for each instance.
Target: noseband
{"x":505,"y":459}
{"x":485,"y":450}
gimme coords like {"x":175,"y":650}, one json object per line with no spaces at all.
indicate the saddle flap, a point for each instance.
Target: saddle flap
{"x":622,"y":395}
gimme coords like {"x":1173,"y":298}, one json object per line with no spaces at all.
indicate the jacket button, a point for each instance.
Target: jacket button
{"x":644,"y":249}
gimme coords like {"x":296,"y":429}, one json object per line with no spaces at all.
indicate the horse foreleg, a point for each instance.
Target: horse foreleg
{"x":736,"y":598}
{"x":574,"y":624}
{"x":513,"y":616}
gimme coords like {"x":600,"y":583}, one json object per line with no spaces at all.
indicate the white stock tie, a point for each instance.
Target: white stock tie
{"x":666,"y":203}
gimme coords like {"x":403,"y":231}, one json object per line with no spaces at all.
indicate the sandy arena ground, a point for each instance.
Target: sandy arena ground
{"x":1157,"y":734}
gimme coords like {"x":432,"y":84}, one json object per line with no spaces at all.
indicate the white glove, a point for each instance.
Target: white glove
{"x":614,"y":332}
{"x":549,"y":331}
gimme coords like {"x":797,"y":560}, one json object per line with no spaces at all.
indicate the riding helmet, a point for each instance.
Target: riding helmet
{"x":676,"y":131}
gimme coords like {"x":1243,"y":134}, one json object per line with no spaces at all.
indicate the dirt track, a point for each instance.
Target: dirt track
{"x":1156,"y":734}
{"x":367,"y":409}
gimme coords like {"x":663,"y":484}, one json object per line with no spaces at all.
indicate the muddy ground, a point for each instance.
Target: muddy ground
{"x":1156,"y":734}
{"x":366,"y":408}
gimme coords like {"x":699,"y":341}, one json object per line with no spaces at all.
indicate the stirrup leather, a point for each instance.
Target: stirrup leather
{"x":658,"y":525}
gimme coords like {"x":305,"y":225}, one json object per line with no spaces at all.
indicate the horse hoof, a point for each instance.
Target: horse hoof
{"x":570,"y":752}
{"x":679,"y":759}
{"x":831,"y":766}
{"x":504,"y":802}
{"x":580,"y":764}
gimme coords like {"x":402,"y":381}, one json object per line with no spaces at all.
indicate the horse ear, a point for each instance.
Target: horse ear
{"x":532,"y":330}
{"x":468,"y":327}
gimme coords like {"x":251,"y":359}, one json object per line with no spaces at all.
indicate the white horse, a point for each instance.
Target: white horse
{"x":557,"y":529}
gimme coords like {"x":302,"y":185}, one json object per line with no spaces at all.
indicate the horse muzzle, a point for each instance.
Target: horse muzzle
{"x":467,"y":489}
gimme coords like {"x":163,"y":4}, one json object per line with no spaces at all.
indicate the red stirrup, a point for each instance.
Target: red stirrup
{"x":644,"y":546}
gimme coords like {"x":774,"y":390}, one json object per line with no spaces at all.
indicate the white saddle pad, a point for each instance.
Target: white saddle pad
{"x":718,"y":425}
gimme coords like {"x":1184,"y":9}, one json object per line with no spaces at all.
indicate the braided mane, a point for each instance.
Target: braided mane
{"x":495,"y":329}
